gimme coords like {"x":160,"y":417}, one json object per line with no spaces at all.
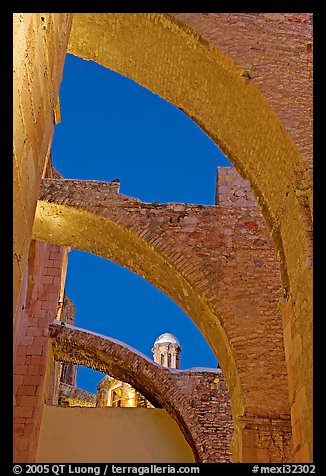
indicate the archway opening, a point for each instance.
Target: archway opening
{"x":114,"y":128}
{"x":212,"y":325}
{"x":113,"y":301}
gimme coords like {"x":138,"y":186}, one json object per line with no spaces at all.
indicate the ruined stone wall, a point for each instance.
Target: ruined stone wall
{"x":209,"y":391}
{"x":265,"y":439}
{"x":77,"y":396}
{"x":33,"y":363}
{"x":232,"y":190}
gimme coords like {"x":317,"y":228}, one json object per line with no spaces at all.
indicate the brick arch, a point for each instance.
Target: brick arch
{"x":216,"y":262}
{"x":225,"y":71}
{"x":194,"y":75}
{"x":171,"y":390}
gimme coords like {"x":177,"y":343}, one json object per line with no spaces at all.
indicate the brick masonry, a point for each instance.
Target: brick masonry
{"x":32,"y":359}
{"x":225,"y":98}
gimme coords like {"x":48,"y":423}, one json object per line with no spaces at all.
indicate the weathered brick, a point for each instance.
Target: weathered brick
{"x":29,"y":401}
{"x":32,"y":370}
{"x":19,"y":428}
{"x":34,"y":349}
{"x":23,"y":411}
{"x":31,"y":380}
{"x":27,"y":390}
{"x":34,"y":331}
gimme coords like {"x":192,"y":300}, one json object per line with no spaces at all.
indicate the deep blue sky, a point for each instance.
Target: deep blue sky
{"x":113,"y":128}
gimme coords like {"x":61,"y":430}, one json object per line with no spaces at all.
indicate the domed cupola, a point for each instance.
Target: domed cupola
{"x":167,"y":351}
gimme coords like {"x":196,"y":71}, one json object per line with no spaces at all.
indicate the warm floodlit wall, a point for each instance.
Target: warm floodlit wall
{"x":118,"y":435}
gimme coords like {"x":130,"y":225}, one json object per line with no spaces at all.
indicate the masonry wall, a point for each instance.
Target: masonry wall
{"x":207,"y":392}
{"x":276,"y":49}
{"x":33,"y":364}
{"x":198,"y":399}
{"x":232,"y":190}
{"x":111,"y":435}
{"x":40,"y":42}
{"x":78,"y":393}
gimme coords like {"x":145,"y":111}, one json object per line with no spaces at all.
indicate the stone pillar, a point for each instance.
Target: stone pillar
{"x":102,"y":393}
{"x":35,"y":373}
{"x":262,"y":440}
{"x":298,"y":393}
{"x":68,"y":373}
{"x":40,"y":43}
{"x":69,"y":370}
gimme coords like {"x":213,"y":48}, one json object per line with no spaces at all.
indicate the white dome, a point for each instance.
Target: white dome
{"x":167,"y":337}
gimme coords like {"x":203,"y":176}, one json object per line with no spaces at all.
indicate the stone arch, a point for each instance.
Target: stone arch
{"x":216,"y":93}
{"x":164,"y":388}
{"x":187,"y":252}
{"x":219,"y":85}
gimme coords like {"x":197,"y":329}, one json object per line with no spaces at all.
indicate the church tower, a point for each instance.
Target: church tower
{"x":167,"y":351}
